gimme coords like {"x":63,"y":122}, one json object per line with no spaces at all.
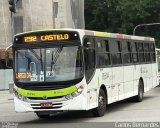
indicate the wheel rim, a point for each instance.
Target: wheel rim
{"x":141,"y":93}
{"x":101,"y":103}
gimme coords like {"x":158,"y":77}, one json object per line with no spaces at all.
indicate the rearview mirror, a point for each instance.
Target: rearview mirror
{"x":9,"y":57}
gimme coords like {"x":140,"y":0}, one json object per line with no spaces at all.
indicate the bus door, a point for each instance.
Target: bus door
{"x":90,"y":71}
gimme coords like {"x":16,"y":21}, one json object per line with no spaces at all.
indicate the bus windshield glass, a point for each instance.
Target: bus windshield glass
{"x":55,"y":64}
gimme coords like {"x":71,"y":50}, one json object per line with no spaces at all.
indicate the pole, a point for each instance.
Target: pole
{"x":12,"y":28}
{"x":150,"y":24}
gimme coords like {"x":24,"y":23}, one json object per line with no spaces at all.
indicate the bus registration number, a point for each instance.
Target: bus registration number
{"x":46,"y":105}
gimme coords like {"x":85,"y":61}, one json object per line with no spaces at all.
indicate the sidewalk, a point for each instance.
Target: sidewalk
{"x":5,"y":95}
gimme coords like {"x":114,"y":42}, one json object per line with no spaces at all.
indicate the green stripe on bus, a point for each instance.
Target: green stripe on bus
{"x":48,"y":93}
{"x":98,"y":80}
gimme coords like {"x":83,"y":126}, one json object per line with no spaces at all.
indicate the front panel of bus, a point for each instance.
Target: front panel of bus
{"x":48,"y":71}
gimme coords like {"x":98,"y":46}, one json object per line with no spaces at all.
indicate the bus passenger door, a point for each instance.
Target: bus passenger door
{"x":90,"y":72}
{"x":93,"y":92}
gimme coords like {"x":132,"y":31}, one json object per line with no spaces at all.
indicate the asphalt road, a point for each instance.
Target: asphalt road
{"x":124,"y":111}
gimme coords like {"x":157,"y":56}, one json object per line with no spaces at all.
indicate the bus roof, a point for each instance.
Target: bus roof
{"x":97,"y":33}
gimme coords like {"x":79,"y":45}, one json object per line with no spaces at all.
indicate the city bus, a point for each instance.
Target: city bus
{"x":72,"y":69}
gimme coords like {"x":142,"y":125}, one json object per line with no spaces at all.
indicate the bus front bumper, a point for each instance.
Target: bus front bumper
{"x":77,"y":103}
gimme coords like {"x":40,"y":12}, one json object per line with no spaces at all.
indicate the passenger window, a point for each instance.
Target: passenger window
{"x":134,"y":52}
{"x":152,"y":52}
{"x":115,"y":47}
{"x":101,"y":47}
{"x":141,"y":52}
{"x":103,"y":60}
{"x":107,"y":45}
{"x":147,"y":54}
{"x":103,"y":55}
{"x":126,"y":52}
{"x":152,"y":48}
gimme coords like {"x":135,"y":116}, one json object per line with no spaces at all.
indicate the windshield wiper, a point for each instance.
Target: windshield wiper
{"x":55,"y":57}
{"x":41,"y":59}
{"x":38,"y":57}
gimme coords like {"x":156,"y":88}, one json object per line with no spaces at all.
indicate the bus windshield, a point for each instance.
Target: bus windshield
{"x":55,"y":64}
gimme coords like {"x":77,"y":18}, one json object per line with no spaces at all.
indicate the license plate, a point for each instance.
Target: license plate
{"x":46,"y":105}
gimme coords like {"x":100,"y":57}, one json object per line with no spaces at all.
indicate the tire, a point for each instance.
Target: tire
{"x":102,"y":102}
{"x":43,"y":116}
{"x":139,"y":97}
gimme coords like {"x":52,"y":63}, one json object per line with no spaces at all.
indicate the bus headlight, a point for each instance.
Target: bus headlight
{"x":68,"y":97}
{"x":19,"y":96}
{"x":80,"y":89}
{"x":76,"y":93}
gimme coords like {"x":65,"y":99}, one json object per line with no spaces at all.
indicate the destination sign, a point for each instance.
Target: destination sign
{"x":40,"y":37}
{"x":53,"y":37}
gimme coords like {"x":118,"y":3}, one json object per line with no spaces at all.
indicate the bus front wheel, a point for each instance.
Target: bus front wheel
{"x":102,"y":101}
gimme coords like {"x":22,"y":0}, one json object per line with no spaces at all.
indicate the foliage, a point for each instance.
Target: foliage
{"x":121,"y":16}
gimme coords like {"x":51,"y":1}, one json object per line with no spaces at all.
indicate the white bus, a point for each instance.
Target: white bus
{"x":72,"y":69}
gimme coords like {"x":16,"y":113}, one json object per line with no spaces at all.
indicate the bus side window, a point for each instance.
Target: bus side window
{"x":115,"y":48}
{"x":126,"y":52}
{"x":141,"y":52}
{"x":152,"y":52}
{"x":134,"y":52}
{"x":89,"y":57}
{"x":147,"y":54}
{"x":107,"y":54}
{"x":103,"y":55}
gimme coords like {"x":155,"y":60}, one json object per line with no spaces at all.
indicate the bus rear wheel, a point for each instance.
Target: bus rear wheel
{"x":102,"y":101}
{"x":139,"y":97}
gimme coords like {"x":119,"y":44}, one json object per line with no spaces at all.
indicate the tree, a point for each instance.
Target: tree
{"x":121,"y":16}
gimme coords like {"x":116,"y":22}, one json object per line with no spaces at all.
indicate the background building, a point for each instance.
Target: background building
{"x":34,"y":15}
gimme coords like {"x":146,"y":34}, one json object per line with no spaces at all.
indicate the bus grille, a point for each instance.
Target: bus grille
{"x":41,"y":98}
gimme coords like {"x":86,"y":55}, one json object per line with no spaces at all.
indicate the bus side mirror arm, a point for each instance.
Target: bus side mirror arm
{"x":7,"y":56}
